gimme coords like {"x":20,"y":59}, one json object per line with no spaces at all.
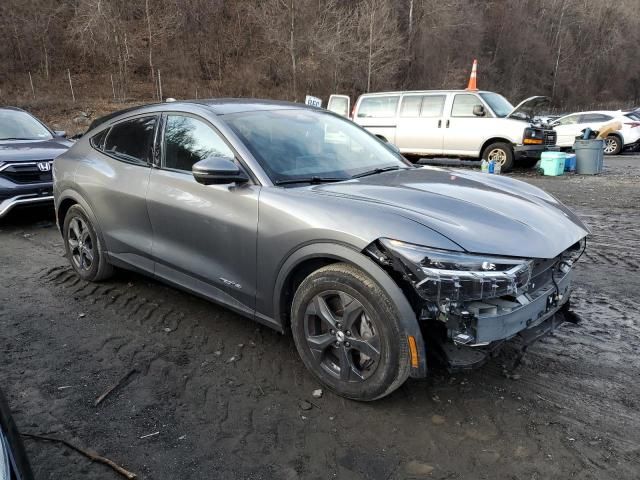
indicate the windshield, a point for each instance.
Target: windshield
{"x":301,"y":144}
{"x":17,"y":125}
{"x":500,"y":105}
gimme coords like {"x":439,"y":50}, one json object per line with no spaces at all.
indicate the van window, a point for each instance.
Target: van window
{"x":339,"y":105}
{"x":463,"y":105}
{"x":410,"y":106}
{"x":378,"y":107}
{"x":432,"y":105}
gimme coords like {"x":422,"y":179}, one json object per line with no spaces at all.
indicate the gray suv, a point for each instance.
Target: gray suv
{"x":303,"y":221}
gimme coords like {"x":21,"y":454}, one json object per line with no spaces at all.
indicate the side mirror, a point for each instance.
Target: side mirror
{"x":217,"y":171}
{"x":478,"y":111}
{"x":60,"y":133}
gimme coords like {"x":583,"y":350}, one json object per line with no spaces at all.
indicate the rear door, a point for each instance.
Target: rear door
{"x":116,"y":183}
{"x":568,"y":128}
{"x":204,"y":235}
{"x":378,"y":114}
{"x":419,"y":128}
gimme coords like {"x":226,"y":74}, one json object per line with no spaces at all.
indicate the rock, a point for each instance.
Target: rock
{"x":235,"y":358}
{"x":167,"y":329}
{"x":217,"y":353}
{"x":418,"y":469}
{"x":317,"y":393}
{"x":81,"y":315}
{"x":304,"y":405}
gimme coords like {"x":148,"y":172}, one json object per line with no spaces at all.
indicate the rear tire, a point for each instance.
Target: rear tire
{"x":612,"y":145}
{"x":341,"y":318}
{"x":84,"y":247}
{"x":500,"y":152}
{"x":15,"y":448}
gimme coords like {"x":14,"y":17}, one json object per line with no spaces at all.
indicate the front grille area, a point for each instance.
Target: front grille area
{"x":550,"y":138}
{"x":24,"y":173}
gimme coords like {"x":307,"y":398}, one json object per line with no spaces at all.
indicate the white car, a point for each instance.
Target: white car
{"x":571,"y":126}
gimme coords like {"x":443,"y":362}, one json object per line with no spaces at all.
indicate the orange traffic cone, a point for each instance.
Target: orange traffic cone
{"x":472,"y":78}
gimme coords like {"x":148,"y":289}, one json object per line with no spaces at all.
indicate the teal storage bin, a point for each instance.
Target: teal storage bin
{"x":552,"y":163}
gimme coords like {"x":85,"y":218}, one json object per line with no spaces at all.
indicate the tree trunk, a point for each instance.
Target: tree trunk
{"x":292,"y":52}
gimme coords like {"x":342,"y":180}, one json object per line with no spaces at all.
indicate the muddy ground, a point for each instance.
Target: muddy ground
{"x":225,"y":393}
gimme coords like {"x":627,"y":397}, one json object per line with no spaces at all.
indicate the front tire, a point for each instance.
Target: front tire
{"x":84,"y":248}
{"x":500,"y":152}
{"x":612,"y":145}
{"x":347,"y":333}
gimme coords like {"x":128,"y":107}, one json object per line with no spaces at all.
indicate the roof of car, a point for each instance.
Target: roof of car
{"x":15,"y":109}
{"x":443,"y":90}
{"x":218,"y":106}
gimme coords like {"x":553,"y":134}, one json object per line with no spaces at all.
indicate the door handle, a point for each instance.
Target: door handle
{"x":447,"y":123}
{"x":439,"y":123}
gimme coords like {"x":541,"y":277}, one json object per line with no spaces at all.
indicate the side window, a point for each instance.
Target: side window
{"x":132,"y":140}
{"x":188,"y":140}
{"x":378,"y":107}
{"x":570,"y":120}
{"x":463,"y":105}
{"x":433,"y":105}
{"x":97,"y":141}
{"x":595,"y":117}
{"x":410,"y":106}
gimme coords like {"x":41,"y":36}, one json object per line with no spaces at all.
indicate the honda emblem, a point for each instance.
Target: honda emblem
{"x":44,"y":166}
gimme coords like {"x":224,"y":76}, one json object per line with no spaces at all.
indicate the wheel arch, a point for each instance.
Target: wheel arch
{"x":309,"y":258}
{"x":65,"y":201}
{"x":494,"y":140}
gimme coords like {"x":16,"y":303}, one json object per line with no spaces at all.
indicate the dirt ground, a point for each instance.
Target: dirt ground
{"x":227,"y":395}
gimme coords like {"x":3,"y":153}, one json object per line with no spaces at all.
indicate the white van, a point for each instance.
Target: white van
{"x":458,"y":123}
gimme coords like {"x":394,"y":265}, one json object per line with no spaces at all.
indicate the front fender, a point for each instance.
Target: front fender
{"x":342,"y":253}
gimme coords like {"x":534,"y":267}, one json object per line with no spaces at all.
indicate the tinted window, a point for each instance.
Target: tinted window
{"x":594,"y":118}
{"x":132,"y":140}
{"x":188,"y":140}
{"x":98,"y":140}
{"x":432,"y":105}
{"x":463,"y":105}
{"x":570,"y":120}
{"x":378,"y":107}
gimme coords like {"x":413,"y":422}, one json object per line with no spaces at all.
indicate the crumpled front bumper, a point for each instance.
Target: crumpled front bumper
{"x":542,"y":312}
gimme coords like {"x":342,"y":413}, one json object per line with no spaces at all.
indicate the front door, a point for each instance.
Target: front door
{"x":204,"y":235}
{"x":464,"y":132}
{"x":567,"y":129}
{"x":420,"y":127}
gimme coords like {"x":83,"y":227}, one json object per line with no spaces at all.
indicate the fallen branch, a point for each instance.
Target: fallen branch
{"x":93,"y":456}
{"x":113,"y":387}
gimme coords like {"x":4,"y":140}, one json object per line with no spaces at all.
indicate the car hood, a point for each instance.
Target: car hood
{"x":528,"y":108}
{"x":32,"y":150}
{"x":481,"y":213}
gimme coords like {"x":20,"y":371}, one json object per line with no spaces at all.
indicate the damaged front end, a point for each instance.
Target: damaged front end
{"x":469,"y":304}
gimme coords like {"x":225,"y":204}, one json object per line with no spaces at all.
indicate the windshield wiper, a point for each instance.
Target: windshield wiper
{"x":312,"y":180}
{"x":375,"y":171}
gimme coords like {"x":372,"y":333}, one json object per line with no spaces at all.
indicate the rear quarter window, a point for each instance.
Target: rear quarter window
{"x":97,"y":141}
{"x":378,"y":107}
{"x":132,"y":140}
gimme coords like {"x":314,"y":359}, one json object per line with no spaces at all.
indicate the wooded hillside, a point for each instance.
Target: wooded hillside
{"x":580,"y":52}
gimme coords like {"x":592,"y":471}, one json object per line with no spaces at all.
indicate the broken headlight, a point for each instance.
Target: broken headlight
{"x":443,"y":276}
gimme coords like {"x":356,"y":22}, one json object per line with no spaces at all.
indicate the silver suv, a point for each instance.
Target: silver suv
{"x":303,"y":221}
{"x":459,"y":123}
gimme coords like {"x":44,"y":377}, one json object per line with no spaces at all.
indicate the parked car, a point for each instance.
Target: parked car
{"x":27,"y":150}
{"x":14,"y":464}
{"x":570,"y":126}
{"x":303,"y":221}
{"x":457,"y":123}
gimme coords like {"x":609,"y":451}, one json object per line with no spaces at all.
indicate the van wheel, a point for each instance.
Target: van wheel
{"x":501,"y":153}
{"x":612,"y":145}
{"x":347,"y":333}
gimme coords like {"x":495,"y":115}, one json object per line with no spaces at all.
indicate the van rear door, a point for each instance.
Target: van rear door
{"x":419,"y":129}
{"x":339,"y":104}
{"x":378,"y":114}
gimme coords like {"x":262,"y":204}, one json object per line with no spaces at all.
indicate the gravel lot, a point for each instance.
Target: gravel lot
{"x":227,"y":396}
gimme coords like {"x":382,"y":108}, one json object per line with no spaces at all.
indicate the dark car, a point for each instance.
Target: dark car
{"x":14,"y":464}
{"x":302,"y":220}
{"x":27,"y":150}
